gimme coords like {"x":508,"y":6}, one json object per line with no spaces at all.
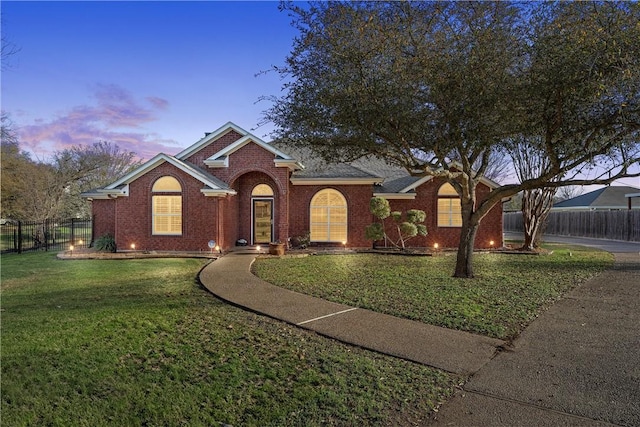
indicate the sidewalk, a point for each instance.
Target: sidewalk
{"x":578,"y":364}
{"x":459,"y":352}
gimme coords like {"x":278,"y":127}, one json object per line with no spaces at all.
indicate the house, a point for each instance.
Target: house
{"x":231,"y":185}
{"x":606,"y":198}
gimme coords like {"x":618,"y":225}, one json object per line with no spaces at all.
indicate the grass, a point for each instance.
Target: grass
{"x":509,"y":291}
{"x":139,"y":342}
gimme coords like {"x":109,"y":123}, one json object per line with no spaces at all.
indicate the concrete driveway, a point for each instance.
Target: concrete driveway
{"x":614,"y":246}
{"x":578,"y":364}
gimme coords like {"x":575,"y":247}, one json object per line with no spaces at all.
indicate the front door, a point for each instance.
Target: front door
{"x":262,"y":221}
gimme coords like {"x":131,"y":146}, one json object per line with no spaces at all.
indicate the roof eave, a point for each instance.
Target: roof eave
{"x":396,"y":196}
{"x":335,"y":181}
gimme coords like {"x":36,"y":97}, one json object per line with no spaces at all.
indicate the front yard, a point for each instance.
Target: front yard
{"x":507,"y":294}
{"x":139,"y":342}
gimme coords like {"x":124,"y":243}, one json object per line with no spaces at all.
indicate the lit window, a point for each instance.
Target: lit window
{"x":167,"y":209}
{"x":449,"y":208}
{"x":328,"y":217}
{"x":262,"y":190}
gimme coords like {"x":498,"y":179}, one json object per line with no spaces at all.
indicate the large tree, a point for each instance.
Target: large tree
{"x":440,"y":88}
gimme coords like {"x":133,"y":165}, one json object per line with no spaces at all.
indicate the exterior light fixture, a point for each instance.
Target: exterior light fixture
{"x":71,"y":249}
{"x":435,"y":246}
{"x":80,"y":242}
{"x":133,"y":246}
{"x":217,"y":248}
{"x":491,"y":243}
{"x":344,"y":244}
{"x":258,"y":248}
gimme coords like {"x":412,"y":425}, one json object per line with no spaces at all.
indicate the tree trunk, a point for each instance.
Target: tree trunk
{"x":464,"y":261}
{"x":536,"y":205}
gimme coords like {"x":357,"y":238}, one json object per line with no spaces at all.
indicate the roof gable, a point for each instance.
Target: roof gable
{"x":221,"y":158}
{"x":212,"y":185}
{"x":209,"y":138}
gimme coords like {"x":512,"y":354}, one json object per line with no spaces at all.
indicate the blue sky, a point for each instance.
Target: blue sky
{"x":150,"y":76}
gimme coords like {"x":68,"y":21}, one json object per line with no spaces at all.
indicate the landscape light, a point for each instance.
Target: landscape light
{"x":258,"y":248}
{"x":435,"y":246}
{"x":71,"y":249}
{"x":133,"y":246}
{"x":491,"y":243}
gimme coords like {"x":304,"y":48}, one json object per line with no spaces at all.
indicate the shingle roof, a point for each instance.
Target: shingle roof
{"x":316,"y":167}
{"x":612,"y":197}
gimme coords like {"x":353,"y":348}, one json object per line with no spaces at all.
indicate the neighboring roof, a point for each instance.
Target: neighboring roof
{"x":212,"y":185}
{"x":611,"y":197}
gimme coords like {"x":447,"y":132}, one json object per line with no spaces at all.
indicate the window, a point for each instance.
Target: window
{"x":167,"y":208}
{"x":262,"y":190}
{"x":449,"y":209}
{"x":328,"y":216}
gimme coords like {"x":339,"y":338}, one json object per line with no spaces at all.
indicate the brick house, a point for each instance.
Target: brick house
{"x":231,"y":185}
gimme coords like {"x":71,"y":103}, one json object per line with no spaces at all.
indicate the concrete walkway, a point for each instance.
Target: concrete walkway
{"x":578,"y":364}
{"x":454,"y":351}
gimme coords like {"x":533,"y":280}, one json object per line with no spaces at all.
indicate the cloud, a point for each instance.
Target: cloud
{"x":116,"y":116}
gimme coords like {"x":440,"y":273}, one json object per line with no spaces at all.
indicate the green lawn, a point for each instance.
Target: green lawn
{"x":139,"y":342}
{"x":507,"y":294}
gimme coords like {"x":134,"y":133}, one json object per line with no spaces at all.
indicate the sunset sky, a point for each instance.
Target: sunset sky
{"x":150,"y":76}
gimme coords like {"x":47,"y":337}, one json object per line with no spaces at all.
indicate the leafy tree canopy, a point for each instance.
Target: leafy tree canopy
{"x":445,"y":88}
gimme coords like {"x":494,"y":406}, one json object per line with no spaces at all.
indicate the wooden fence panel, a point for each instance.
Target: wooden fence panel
{"x":614,"y":225}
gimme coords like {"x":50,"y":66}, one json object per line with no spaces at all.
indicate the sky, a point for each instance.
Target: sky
{"x":149,"y":76}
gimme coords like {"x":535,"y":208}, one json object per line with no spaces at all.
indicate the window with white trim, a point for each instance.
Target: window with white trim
{"x":328,"y":216}
{"x":166,"y":208}
{"x":449,"y":208}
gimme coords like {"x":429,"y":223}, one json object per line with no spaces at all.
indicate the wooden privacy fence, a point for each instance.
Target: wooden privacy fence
{"x":53,"y":234}
{"x":614,"y":225}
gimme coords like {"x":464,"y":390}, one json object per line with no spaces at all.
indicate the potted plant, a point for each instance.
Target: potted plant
{"x":276,"y":248}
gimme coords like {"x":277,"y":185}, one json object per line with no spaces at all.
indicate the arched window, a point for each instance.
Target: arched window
{"x":262,"y":190}
{"x":449,"y":209}
{"x":166,"y":208}
{"x":328,"y":216}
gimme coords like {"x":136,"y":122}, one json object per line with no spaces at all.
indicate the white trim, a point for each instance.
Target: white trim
{"x":396,"y":196}
{"x":221,"y":158}
{"x":210,"y":192}
{"x":210,"y":137}
{"x":157,"y":161}
{"x":630,"y":195}
{"x":335,"y":181}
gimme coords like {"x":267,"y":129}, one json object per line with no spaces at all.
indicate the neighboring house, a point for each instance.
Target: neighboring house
{"x":231,"y":185}
{"x":606,"y":198}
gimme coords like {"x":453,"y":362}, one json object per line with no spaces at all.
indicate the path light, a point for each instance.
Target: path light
{"x":435,"y":248}
{"x":133,"y":246}
{"x":344,"y":244}
{"x":80,"y":242}
{"x":258,"y":248}
{"x":491,"y":243}
{"x":71,"y":249}
{"x":217,"y":248}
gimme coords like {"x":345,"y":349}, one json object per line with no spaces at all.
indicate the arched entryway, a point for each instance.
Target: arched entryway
{"x":257,"y":208}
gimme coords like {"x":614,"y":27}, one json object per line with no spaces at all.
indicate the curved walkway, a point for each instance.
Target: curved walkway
{"x":576,"y":365}
{"x":459,"y":352}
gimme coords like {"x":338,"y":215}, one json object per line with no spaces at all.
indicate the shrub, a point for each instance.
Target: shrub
{"x":106,"y":243}
{"x":412,"y":226}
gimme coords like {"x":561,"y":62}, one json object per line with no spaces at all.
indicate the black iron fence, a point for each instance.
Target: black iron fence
{"x":614,"y":225}
{"x":53,"y":234}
